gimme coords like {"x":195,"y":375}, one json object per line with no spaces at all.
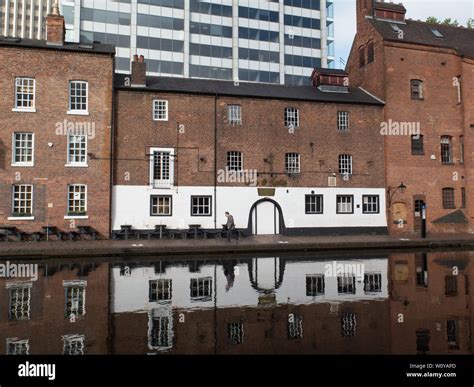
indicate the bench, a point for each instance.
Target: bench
{"x":87,"y":231}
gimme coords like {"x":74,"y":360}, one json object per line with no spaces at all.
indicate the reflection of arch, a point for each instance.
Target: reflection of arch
{"x":278,"y":273}
{"x":281,"y":221}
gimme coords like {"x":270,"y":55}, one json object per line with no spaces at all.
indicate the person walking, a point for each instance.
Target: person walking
{"x":230,"y":225}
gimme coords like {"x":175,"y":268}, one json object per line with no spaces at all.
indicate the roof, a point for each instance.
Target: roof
{"x":324,"y":71}
{"x":247,"y":89}
{"x":417,"y":32}
{"x":390,"y":6}
{"x":454,"y":217}
{"x":107,"y":49}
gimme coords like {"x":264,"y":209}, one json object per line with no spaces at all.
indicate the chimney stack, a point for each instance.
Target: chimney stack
{"x":138,"y":71}
{"x":55,"y":27}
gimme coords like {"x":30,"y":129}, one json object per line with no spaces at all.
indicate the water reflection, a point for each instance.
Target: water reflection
{"x":398,"y":304}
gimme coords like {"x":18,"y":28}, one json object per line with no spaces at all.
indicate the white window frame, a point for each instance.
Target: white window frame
{"x":344,"y":206}
{"x":314,"y":200}
{"x":348,"y":324}
{"x":169,"y":198}
{"x":78,"y":111}
{"x":235,"y":161}
{"x":72,"y":209}
{"x":235,"y":332}
{"x":21,"y":309}
{"x":70,"y":162}
{"x":372,"y":282}
{"x":30,"y":216}
{"x":295,"y":327}
{"x":209,"y":205}
{"x":73,"y":344}
{"x":234,"y":114}
{"x":292,"y":117}
{"x":292,"y":162}
{"x":14,"y":150}
{"x":32,"y":108}
{"x":373,"y":207}
{"x":18,"y":344}
{"x":78,"y":286}
{"x":162,"y":183}
{"x":343,"y":121}
{"x":155,"y":316}
{"x":160,"y":113}
{"x":345,"y":164}
{"x":207,"y":290}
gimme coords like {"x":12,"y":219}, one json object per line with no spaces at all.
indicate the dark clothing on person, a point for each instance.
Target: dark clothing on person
{"x":230,"y":226}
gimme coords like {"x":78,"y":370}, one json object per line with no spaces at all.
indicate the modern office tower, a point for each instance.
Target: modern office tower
{"x":24,"y":18}
{"x":274,"y":41}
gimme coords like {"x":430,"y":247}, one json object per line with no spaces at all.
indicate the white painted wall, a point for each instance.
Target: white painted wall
{"x":131,"y":205}
{"x":130,"y":293}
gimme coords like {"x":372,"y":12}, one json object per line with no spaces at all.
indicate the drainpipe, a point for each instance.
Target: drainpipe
{"x":215,"y":161}
{"x":112,"y":148}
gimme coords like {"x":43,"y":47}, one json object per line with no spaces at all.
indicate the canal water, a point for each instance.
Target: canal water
{"x":394,"y":303}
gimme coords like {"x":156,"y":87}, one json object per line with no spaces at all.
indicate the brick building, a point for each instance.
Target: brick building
{"x":55,"y":132}
{"x":281,"y":159}
{"x":425,"y":75}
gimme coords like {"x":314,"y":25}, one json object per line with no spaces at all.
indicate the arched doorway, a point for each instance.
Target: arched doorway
{"x":266,"y":217}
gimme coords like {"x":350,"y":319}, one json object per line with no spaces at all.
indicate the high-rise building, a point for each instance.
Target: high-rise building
{"x":24,"y":18}
{"x":275,"y":41}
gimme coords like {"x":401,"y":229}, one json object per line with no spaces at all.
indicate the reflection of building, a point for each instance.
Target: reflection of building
{"x":64,"y":312}
{"x":188,"y":309}
{"x":431,"y":310}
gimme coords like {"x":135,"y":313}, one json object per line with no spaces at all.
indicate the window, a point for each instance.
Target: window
{"x":345,"y":164}
{"x":162,"y":171}
{"x":201,"y":288}
{"x":345,"y":204}
{"x":235,"y":331}
{"x":461,"y":149}
{"x":77,"y":200}
{"x":446,"y":150}
{"x":463,"y":197}
{"x":421,"y":268}
{"x":422,"y":341}
{"x":417,"y":147}
{"x":75,"y":298}
{"x":436,"y":33}
{"x":22,"y":200}
{"x":25,"y":94}
{"x":346,"y":284}
{"x":416,"y":89}
{"x":77,"y":149}
{"x":451,"y":285}
{"x":361,"y":56}
{"x":160,"y":290}
{"x":292,"y":163}
{"x":234,"y":114}
{"x":234,"y":161}
{"x":452,"y":334}
{"x":160,"y":332}
{"x":314,"y":204}
{"x":161,"y":205}
{"x":201,"y":206}
{"x":370,"y":52}
{"x":315,"y":285}
{"x":348,"y":324}
{"x":23,"y":149}
{"x":78,"y":96}
{"x":295,"y":326}
{"x":73,"y":344}
{"x":292,"y":118}
{"x":160,"y":110}
{"x":19,"y":301}
{"x":370,"y":204}
{"x":372,"y":282}
{"x":18,"y":347}
{"x":448,"y":198}
{"x":342,"y":121}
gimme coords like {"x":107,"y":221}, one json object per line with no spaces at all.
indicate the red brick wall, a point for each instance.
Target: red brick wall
{"x":52,"y":70}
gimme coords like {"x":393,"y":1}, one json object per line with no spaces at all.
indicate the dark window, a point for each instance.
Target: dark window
{"x":372,"y":282}
{"x":416,"y":89}
{"x":370,"y":52}
{"x":461,"y":149}
{"x":348,"y":324}
{"x":448,"y":198}
{"x":463,"y":197}
{"x":417,"y":145}
{"x":452,"y":333}
{"x":201,"y":205}
{"x":314,"y":204}
{"x":315,"y":285}
{"x":362,"y":56}
{"x":446,"y":150}
{"x":370,"y":204}
{"x":422,"y":341}
{"x":451,"y":285}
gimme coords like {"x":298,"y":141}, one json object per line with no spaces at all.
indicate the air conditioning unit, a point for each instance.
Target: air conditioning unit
{"x":332,"y":181}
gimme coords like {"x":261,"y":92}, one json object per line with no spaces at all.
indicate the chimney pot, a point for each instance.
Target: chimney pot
{"x":55,"y":27}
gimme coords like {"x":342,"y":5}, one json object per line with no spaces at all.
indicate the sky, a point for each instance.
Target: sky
{"x":345,"y":18}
